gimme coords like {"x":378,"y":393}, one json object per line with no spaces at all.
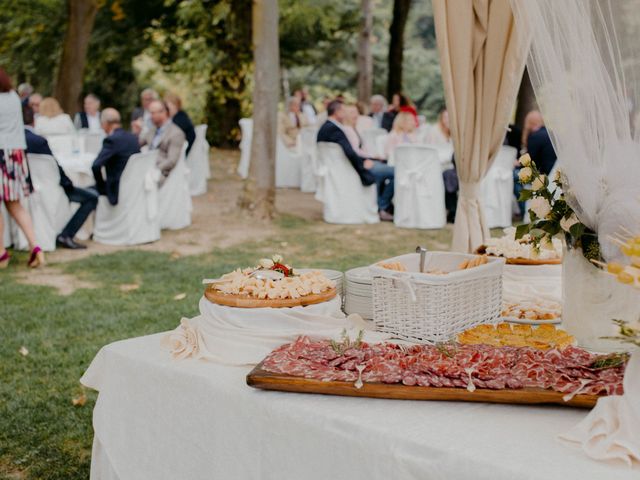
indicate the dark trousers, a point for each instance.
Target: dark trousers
{"x":88,"y":200}
{"x":384,"y":175}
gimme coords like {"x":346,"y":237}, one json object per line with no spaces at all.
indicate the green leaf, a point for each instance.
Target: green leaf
{"x":577,"y":230}
{"x":525,"y":195}
{"x":522,"y":230}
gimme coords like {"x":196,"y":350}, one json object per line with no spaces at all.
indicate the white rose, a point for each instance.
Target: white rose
{"x":265,"y":263}
{"x":540,"y":206}
{"x":567,"y":223}
{"x":538,"y":183}
{"x":277,"y":258}
{"x":525,"y":160}
{"x":525,"y":175}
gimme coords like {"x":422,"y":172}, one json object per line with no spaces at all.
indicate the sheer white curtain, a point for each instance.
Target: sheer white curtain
{"x":584,"y":66}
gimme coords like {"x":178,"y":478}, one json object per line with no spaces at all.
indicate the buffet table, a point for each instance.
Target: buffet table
{"x":158,"y":418}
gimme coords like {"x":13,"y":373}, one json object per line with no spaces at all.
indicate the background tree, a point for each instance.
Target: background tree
{"x":365,"y":57}
{"x":81,"y":17}
{"x":260,"y":187}
{"x":396,"y":45}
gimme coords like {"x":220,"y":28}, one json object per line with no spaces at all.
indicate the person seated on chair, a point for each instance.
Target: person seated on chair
{"x":377,"y":107}
{"x":166,"y":137}
{"x":290,"y":122}
{"x":402,"y":132}
{"x":180,"y":118}
{"x":141,"y":116}
{"x":86,"y":197}
{"x":370,"y":171}
{"x":117,"y":147}
{"x":89,"y":118}
{"x":52,"y":119}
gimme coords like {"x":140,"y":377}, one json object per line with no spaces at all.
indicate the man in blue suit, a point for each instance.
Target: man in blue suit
{"x":117,"y":147}
{"x":370,"y":170}
{"x":86,"y":197}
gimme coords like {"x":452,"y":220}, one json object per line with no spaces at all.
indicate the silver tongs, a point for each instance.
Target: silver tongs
{"x":423,"y":255}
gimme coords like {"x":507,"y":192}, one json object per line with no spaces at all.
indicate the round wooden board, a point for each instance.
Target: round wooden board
{"x":244,"y":301}
{"x":526,"y":261}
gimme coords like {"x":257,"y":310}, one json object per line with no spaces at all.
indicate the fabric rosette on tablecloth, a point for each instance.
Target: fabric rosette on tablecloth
{"x":244,"y":336}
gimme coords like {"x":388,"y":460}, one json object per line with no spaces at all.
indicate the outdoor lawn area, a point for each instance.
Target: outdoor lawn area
{"x":110,"y":294}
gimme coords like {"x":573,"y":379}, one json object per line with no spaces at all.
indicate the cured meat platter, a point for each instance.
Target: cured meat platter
{"x":245,"y":301}
{"x":262,"y":379}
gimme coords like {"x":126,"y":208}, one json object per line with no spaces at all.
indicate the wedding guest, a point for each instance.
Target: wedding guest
{"x":24,"y":91}
{"x":15,"y":181}
{"x":369,"y":171}
{"x":364,"y":121}
{"x":349,"y":125}
{"x":86,"y":197}
{"x":52,"y":120}
{"x":403,"y":132}
{"x":392,"y":110}
{"x":34,"y":102}
{"x":377,"y":107}
{"x":89,"y":118}
{"x":323,"y":116}
{"x":306,"y":106}
{"x":180,"y":117}
{"x":117,"y":147}
{"x":538,"y":143}
{"x":406,"y":105}
{"x":164,"y":136}
{"x":290,"y":122}
{"x":439,"y":134}
{"x":141,"y":116}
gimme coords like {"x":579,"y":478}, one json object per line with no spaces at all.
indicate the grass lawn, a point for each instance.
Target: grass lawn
{"x":44,"y":436}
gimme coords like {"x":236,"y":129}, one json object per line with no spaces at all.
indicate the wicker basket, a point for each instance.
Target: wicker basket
{"x":432,"y":308}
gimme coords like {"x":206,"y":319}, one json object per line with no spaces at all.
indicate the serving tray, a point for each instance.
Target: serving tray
{"x":259,"y":378}
{"x":245,"y":301}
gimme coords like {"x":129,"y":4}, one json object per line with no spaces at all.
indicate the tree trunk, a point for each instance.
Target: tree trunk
{"x":396,"y":45}
{"x":82,"y":15}
{"x":365,"y":57}
{"x":526,"y":99}
{"x":259,"y":193}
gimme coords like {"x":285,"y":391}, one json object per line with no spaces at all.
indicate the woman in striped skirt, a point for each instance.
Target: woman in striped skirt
{"x":15,"y":183}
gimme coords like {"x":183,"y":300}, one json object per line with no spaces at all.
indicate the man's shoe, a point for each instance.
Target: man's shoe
{"x":67,"y":242}
{"x":385,"y":216}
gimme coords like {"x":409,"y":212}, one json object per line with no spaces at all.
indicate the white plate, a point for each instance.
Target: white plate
{"x":526,"y":321}
{"x":359,"y":275}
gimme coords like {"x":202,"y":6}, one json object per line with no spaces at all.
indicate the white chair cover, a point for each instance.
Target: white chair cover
{"x":63,"y":145}
{"x":288,"y":166}
{"x":246,"y":127}
{"x":307,"y":146}
{"x":369,"y":142}
{"x":419,"y":188}
{"x":174,"y":199}
{"x":198,"y":163}
{"x":48,"y":204}
{"x":345,"y":199}
{"x":134,"y":220}
{"x":92,"y":142}
{"x":497,"y":189}
{"x":445,"y":154}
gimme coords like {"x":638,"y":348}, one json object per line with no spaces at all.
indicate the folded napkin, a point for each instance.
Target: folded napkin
{"x":611,"y":432}
{"x":244,"y":336}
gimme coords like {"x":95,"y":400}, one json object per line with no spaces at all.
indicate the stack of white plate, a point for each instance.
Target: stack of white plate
{"x":358,"y":292}
{"x":334,"y":275}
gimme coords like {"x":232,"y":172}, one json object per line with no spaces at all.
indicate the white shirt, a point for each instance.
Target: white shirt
{"x":94,"y":123}
{"x":11,"y":127}
{"x":58,"y":125}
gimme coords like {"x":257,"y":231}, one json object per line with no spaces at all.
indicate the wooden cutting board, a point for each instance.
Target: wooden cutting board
{"x":259,"y":378}
{"x":527,"y":261}
{"x":245,"y":301}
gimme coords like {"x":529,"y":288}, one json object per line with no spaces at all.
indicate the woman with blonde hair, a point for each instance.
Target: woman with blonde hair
{"x":15,"y":182}
{"x":52,"y":120}
{"x":402,"y":132}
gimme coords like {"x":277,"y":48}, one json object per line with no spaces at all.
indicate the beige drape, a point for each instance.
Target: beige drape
{"x":482,"y":60}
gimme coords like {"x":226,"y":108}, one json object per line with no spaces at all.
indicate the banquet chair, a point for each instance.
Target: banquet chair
{"x":92,"y":142}
{"x":369,"y":142}
{"x":63,"y":145}
{"x":134,"y":220}
{"x":246,"y":127}
{"x":419,"y":188}
{"x":445,"y":154}
{"x":497,"y":189}
{"x":288,"y":165}
{"x":345,"y":199}
{"x":307,"y":145}
{"x":48,"y":205}
{"x":174,"y":198}
{"x":198,"y":162}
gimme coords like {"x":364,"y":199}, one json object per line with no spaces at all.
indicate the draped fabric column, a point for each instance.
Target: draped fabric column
{"x":482,"y":61}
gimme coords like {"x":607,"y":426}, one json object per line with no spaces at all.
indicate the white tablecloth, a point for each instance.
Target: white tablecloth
{"x":157,"y":418}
